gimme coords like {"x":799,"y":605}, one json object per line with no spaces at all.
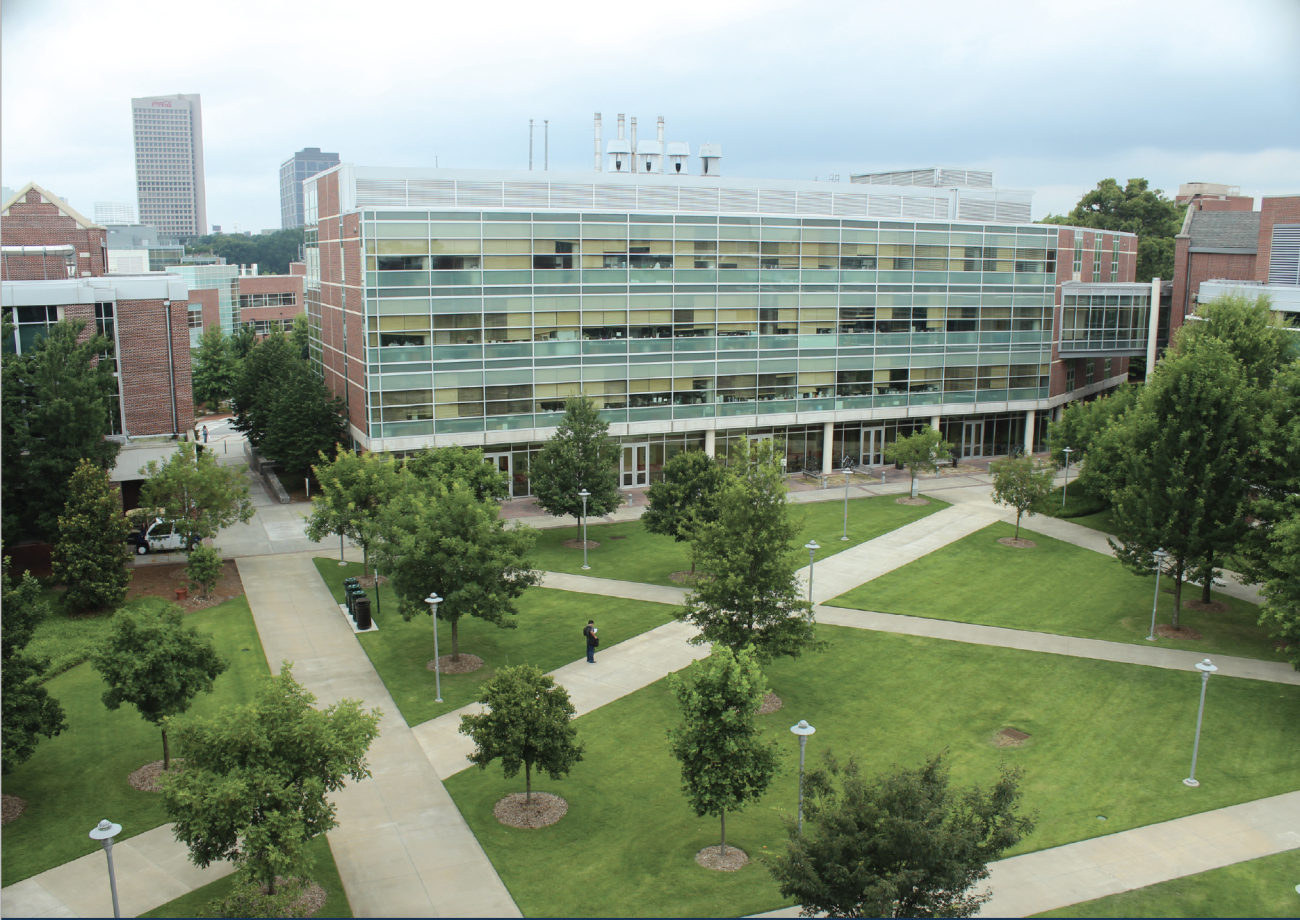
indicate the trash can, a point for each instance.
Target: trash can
{"x":361,"y":606}
{"x":353,"y":594}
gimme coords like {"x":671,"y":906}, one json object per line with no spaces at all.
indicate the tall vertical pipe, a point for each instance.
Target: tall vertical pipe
{"x":598,"y":142}
{"x":661,"y":133}
{"x":620,"y":126}
{"x":634,"y":169}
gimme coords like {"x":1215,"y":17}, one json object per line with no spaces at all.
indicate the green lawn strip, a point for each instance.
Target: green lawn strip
{"x":628,"y":552}
{"x":549,"y":636}
{"x":80,"y":776}
{"x":1105,"y":739}
{"x":1263,"y":887}
{"x":1054,"y":587}
{"x":1101,"y":521}
{"x":325,"y":873}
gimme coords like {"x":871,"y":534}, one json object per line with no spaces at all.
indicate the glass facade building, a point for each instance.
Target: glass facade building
{"x":168,"y":133}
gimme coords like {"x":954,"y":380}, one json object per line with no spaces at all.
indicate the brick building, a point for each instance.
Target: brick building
{"x":1211,"y":196}
{"x":270,"y":302}
{"x":55,"y":269}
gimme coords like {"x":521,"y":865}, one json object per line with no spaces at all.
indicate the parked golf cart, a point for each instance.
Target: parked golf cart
{"x":160,"y":536}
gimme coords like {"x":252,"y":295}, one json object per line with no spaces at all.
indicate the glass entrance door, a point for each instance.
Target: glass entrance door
{"x":635,"y":465}
{"x":873,"y":446}
{"x":504,"y":466}
{"x":972,"y":439}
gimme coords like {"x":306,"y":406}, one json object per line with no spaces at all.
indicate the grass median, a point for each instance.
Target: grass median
{"x":1054,"y":587}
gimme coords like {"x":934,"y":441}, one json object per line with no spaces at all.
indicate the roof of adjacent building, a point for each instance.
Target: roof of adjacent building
{"x":1234,"y":230}
{"x":47,"y":197}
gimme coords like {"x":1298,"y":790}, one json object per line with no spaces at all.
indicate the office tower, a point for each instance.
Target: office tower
{"x":169,"y":164}
{"x":303,"y":164}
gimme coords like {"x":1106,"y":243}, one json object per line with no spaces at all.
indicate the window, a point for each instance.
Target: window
{"x":1078,"y":255}
{"x":1114,"y":259}
{"x":278,"y":299}
{"x":1106,"y":369}
{"x":1069,"y":376}
{"x":196,"y":316}
{"x":1096,"y":259}
{"x":1089,"y":365}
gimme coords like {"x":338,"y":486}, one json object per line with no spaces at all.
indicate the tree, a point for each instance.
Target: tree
{"x":301,"y":336}
{"x":1135,"y":208}
{"x":155,"y":662}
{"x":56,"y":403}
{"x":92,"y":553}
{"x":527,"y":722}
{"x":1021,"y":483}
{"x":580,"y":455}
{"x":193,"y":490}
{"x":460,"y":464}
{"x":257,"y":778}
{"x":28,"y":708}
{"x":262,"y":374}
{"x":902,"y":845}
{"x":1082,"y":426}
{"x":686,"y":498}
{"x":305,"y":418}
{"x":725,"y":761}
{"x":435,"y":537}
{"x":1256,"y":336}
{"x":241,"y":344}
{"x":353,"y":488}
{"x":271,"y":252}
{"x":752,"y":594}
{"x":919,"y":452}
{"x":204,"y":568}
{"x":214,"y":367}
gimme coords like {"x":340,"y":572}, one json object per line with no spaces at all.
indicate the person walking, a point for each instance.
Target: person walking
{"x":589,"y":632}
{"x":205,"y":434}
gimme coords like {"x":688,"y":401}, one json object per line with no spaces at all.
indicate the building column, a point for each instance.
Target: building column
{"x":828,"y":447}
{"x":1153,"y":327}
{"x":934,"y":421}
{"x":710,"y":442}
{"x":1031,"y":420}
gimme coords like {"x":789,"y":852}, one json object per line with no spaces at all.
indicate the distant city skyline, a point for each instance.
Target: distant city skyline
{"x":1049,"y":99}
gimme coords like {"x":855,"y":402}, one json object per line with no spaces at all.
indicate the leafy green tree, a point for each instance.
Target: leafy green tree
{"x":1135,"y":208}
{"x":726,"y":762}
{"x":353,"y":489}
{"x":301,"y":336}
{"x":204,"y":568}
{"x":155,"y":662}
{"x":269,"y":366}
{"x":435,"y":537}
{"x":1020,"y":483}
{"x":56,"y":405}
{"x":919,"y":452}
{"x":28,"y":708}
{"x":305,"y":419}
{"x":902,"y":845}
{"x":257,"y":779}
{"x":241,"y":345}
{"x":271,"y":252}
{"x":214,"y":367}
{"x":527,"y":721}
{"x":580,"y":455}
{"x":1082,"y":426}
{"x":192,"y":489}
{"x":460,"y":464}
{"x":92,"y":553}
{"x":1256,"y":336}
{"x":686,"y":498}
{"x":753,"y":594}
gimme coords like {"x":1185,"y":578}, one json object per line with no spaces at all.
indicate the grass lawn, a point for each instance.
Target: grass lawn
{"x":549,"y":635}
{"x":628,"y":552}
{"x":1263,"y":887}
{"x":1105,"y":739}
{"x":1054,"y":587}
{"x":1101,"y":520}
{"x":325,"y":872}
{"x":79,"y":777}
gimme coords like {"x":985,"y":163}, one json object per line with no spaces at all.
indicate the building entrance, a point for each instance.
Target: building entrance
{"x":972,"y":439}
{"x":504,"y":465}
{"x":873,"y":446}
{"x":635,"y":465}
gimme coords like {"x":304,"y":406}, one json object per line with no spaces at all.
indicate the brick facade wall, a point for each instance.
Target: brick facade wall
{"x":1273,"y":211}
{"x":1204,"y":266}
{"x":32,"y":222}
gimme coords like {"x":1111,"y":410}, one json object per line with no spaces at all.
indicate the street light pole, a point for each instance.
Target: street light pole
{"x":342,"y":561}
{"x":1206,"y":670}
{"x":584,"y":495}
{"x":1160,"y":556}
{"x":847,"y":465}
{"x":104,"y":832}
{"x":812,"y":548}
{"x":433,"y":600}
{"x":1065,"y":488}
{"x":803,"y":730}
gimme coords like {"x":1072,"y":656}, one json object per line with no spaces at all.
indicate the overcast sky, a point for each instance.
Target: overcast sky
{"x":1050,"y":96}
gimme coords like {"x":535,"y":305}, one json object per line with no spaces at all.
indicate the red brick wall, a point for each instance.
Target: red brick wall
{"x":31,"y":222}
{"x":1205,"y":266}
{"x":142,"y":363}
{"x":210,"y":298}
{"x":1273,"y":211}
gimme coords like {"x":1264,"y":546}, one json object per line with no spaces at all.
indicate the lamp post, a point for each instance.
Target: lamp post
{"x":812,"y":548}
{"x":803,"y":730}
{"x":584,"y":495}
{"x":847,"y":465}
{"x":433,"y":600}
{"x":342,"y":561}
{"x":1206,"y":670}
{"x":1064,"y":488}
{"x":1160,"y":556}
{"x":104,"y":832}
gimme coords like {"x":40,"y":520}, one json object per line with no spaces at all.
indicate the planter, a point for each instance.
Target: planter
{"x":182,"y":593}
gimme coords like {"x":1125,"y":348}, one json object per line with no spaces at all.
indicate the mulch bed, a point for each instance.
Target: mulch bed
{"x":466,"y":664}
{"x":771,"y":703}
{"x":712,"y":858}
{"x":369,"y":582}
{"x":912,"y":501}
{"x":163,"y":580}
{"x":545,"y":809}
{"x":688,"y":578}
{"x":578,"y":544}
{"x":1165,"y":631}
{"x":1017,"y":542}
{"x":13,"y":807}
{"x":146,"y":778}
{"x":1201,"y":607}
{"x":1009,"y":738}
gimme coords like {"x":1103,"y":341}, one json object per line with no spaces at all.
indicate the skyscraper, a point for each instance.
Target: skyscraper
{"x":303,"y":164}
{"x":169,"y":164}
{"x":114,"y":212}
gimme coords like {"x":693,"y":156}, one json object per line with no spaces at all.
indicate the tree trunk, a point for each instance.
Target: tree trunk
{"x":723,"y":851}
{"x":528,"y":782}
{"x":270,"y":886}
{"x":1209,"y":576}
{"x":167,"y":752}
{"x":1178,"y":594}
{"x":1019,"y":514}
{"x":455,"y":641}
{"x":365,"y":563}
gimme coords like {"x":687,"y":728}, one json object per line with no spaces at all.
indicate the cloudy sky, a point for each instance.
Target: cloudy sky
{"x":1051,"y":96}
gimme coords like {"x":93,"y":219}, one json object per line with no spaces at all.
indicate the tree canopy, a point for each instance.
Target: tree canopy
{"x":686,"y":498}
{"x":920,"y":452}
{"x":214,"y":368}
{"x":353,"y":489}
{"x":580,"y":455}
{"x":1135,"y":208}
{"x":28,"y":709}
{"x":460,"y":464}
{"x":304,"y":420}
{"x":91,"y":555}
{"x":1021,"y":483}
{"x":192,"y":489}
{"x":262,"y":374}
{"x":271,"y":252}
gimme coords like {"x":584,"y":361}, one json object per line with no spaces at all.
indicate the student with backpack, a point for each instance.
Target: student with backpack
{"x":589,"y":633}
